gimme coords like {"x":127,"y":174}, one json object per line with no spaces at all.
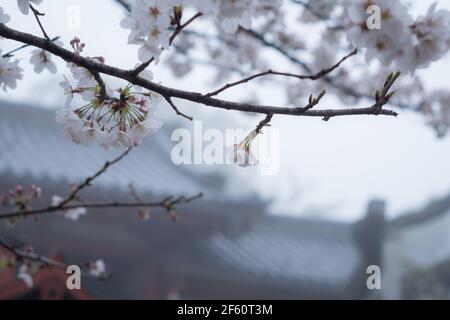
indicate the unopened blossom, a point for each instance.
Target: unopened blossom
{"x":4,"y":18}
{"x":10,"y":72}
{"x":241,"y":153}
{"x":24,"y":5}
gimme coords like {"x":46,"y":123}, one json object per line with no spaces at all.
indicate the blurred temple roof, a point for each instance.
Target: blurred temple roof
{"x":221,"y":248}
{"x":289,"y":249}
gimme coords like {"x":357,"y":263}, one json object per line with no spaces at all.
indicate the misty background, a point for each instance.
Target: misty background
{"x":327,"y":169}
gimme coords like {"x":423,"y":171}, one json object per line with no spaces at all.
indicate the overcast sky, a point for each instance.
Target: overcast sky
{"x":336,"y":166}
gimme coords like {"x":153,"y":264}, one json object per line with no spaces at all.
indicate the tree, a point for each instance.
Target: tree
{"x":237,"y":35}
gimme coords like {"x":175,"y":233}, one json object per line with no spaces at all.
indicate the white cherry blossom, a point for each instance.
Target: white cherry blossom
{"x":10,"y":72}
{"x":42,"y":60}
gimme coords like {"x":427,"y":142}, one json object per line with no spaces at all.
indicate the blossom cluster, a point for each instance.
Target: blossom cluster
{"x":10,"y":71}
{"x":26,"y":268}
{"x":409,"y":43}
{"x":153,"y":21}
{"x":111,"y":118}
{"x":21,"y":197}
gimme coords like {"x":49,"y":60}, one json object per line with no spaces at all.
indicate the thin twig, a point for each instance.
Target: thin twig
{"x":37,"y":14}
{"x":313,"y":77}
{"x":169,"y":202}
{"x":178,"y":112}
{"x":87,"y":182}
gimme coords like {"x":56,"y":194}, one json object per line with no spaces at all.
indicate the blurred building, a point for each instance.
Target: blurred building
{"x":417,"y":253}
{"x":220,"y":248}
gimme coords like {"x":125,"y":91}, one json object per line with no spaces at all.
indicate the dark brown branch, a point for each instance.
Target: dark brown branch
{"x":313,"y":77}
{"x":87,"y":182}
{"x":37,"y":14}
{"x":167,"y":203}
{"x":127,"y":75}
{"x":264,"y":123}
{"x":177,"y":31}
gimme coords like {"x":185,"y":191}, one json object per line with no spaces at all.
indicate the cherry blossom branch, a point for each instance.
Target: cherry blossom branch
{"x":130,"y":76}
{"x":29,"y":256}
{"x":169,"y":204}
{"x":94,"y":73}
{"x":284,"y":52}
{"x":313,"y":77}
{"x":87,"y":182}
{"x":177,"y":111}
{"x":177,"y":31}
{"x":38,"y":14}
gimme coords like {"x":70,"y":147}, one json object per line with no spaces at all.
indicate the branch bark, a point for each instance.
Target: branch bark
{"x":165,"y":91}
